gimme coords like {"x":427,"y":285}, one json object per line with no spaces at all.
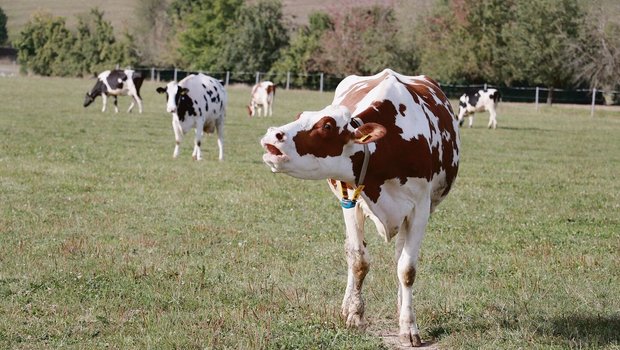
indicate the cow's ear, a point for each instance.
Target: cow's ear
{"x":184,"y":91}
{"x":369,"y":132}
{"x":161,"y":90}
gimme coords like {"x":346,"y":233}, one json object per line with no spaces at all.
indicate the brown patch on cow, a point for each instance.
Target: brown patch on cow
{"x":394,"y":158}
{"x":409,"y":276}
{"x":271,"y":89}
{"x":322,"y":140}
{"x":402,"y":108}
{"x":423,"y":90}
{"x":360,"y":269}
{"x":359,"y":90}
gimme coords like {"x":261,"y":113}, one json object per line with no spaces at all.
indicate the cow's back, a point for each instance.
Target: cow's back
{"x":422,"y":138}
{"x":207,"y":93}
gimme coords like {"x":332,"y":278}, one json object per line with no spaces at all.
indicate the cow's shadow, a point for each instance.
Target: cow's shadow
{"x":572,"y":330}
{"x":587,"y":329}
{"x":515,"y":128}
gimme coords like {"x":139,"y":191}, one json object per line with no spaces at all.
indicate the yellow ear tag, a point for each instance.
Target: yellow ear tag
{"x":364,"y":138}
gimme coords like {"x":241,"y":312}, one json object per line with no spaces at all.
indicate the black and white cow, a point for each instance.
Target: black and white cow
{"x":116,"y":83}
{"x":198,"y":101}
{"x":479,"y":101}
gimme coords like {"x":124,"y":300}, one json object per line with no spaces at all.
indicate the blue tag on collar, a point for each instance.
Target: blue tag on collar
{"x":348,"y":203}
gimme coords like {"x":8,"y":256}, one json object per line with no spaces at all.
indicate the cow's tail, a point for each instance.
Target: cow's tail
{"x":496,"y":96}
{"x":138,"y":79}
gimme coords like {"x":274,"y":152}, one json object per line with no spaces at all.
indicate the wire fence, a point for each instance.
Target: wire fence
{"x":328,"y":82}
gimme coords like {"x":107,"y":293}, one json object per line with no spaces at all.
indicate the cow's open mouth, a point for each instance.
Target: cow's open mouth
{"x":271,"y":149}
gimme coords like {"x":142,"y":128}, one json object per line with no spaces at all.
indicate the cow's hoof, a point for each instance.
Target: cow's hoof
{"x":408,"y":339}
{"x":356,"y":321}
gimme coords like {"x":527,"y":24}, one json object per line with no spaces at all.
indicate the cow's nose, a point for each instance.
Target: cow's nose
{"x":278,"y":134}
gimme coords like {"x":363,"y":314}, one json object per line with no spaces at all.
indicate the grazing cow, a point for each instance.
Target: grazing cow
{"x":116,"y":83}
{"x":198,"y":101}
{"x":262,"y":99}
{"x":389,"y":145}
{"x":479,"y":101}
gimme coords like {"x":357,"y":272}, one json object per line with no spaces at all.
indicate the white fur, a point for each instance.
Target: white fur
{"x":261,"y":101}
{"x":402,"y":210}
{"x":213,"y":119}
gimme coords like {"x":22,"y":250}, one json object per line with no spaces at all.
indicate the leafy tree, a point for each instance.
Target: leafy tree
{"x":538,"y":41}
{"x":255,"y":42}
{"x":45,"y":46}
{"x":595,"y":54}
{"x":154,"y":28}
{"x":299,"y":56}
{"x":203,"y":30}
{"x":3,"y":32}
{"x":463,"y":41}
{"x":362,"y":40}
{"x":97,"y":48}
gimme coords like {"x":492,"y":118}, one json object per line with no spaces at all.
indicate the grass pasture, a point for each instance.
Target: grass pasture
{"x":106,"y":242}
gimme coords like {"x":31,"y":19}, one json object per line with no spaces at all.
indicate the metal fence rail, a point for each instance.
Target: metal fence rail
{"x":328,"y":82}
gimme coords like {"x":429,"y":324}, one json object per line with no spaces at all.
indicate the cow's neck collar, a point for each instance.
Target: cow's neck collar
{"x":345,"y":202}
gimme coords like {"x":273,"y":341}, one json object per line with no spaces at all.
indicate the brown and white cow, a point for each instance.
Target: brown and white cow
{"x":389,"y":145}
{"x":261,"y":100}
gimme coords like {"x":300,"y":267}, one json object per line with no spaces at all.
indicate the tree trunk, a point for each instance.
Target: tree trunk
{"x":550,"y":96}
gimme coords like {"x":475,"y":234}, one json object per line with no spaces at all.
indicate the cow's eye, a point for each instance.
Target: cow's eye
{"x":327,"y":126}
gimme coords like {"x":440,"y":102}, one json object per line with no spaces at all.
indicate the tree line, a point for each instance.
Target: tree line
{"x":551,"y":43}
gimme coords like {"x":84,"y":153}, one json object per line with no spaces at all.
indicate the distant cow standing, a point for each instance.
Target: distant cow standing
{"x":389,"y":144}
{"x":198,"y":101}
{"x":479,"y":101}
{"x":116,"y":83}
{"x":261,"y":100}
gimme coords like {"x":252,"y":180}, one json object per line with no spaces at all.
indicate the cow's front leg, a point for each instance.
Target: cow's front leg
{"x":358,"y":266}
{"x":408,"y":244}
{"x":104,"y":100}
{"x":178,"y":136}
{"x":197,"y":154}
{"x":115,"y":104}
{"x":471,"y":120}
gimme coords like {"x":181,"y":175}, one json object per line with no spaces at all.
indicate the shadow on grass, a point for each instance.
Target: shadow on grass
{"x":516,"y":128}
{"x":588,"y":329}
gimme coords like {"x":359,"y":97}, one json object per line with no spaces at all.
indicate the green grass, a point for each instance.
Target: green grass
{"x":106,"y":241}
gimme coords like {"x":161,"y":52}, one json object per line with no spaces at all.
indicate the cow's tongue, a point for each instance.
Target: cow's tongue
{"x":273,"y":149}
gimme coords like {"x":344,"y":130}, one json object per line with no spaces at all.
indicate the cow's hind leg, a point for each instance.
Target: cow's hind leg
{"x":471,"y":120}
{"x":408,"y":244}
{"x":492,"y":118}
{"x":358,"y":266}
{"x":132,"y":104}
{"x":219,"y":126}
{"x":197,"y":154}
